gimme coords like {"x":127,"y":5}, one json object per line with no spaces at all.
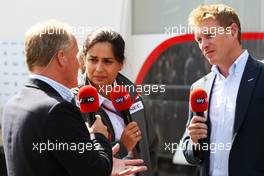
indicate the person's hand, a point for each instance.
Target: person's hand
{"x":131,"y":135}
{"x":98,"y":127}
{"x":122,"y":167}
{"x":197,"y":129}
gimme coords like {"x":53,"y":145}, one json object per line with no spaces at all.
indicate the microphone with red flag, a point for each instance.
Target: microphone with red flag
{"x":122,"y":102}
{"x":89,"y":101}
{"x":199,"y":101}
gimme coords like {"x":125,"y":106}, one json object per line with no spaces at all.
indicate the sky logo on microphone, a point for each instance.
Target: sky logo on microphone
{"x":122,"y":99}
{"x":119,"y":100}
{"x":90,"y":99}
{"x":200,"y":100}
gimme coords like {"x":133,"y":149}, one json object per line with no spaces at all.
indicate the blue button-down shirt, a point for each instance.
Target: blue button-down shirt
{"x":61,"y":89}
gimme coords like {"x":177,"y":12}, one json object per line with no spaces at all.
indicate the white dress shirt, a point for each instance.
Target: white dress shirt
{"x":222,"y":115}
{"x":116,"y":120}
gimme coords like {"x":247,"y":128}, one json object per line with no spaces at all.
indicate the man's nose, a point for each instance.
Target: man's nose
{"x":204,"y":44}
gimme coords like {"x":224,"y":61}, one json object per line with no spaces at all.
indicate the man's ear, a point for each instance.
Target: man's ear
{"x":62,"y":61}
{"x":234,"y":29}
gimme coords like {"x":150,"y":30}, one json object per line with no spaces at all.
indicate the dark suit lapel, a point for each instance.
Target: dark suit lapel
{"x":38,"y":84}
{"x":209,"y":80}
{"x":245,"y":90}
{"x":208,"y":86}
{"x":122,"y":80}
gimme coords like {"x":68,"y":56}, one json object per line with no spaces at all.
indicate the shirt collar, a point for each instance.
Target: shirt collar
{"x":64,"y":92}
{"x":106,"y":102}
{"x":237,"y":67}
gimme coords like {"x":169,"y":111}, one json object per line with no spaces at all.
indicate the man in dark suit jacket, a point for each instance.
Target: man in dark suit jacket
{"x":232,"y":127}
{"x":43,"y":131}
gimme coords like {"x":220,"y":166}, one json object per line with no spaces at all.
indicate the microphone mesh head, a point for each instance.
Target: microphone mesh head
{"x":89,"y":99}
{"x":120,"y":98}
{"x":199,"y":100}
